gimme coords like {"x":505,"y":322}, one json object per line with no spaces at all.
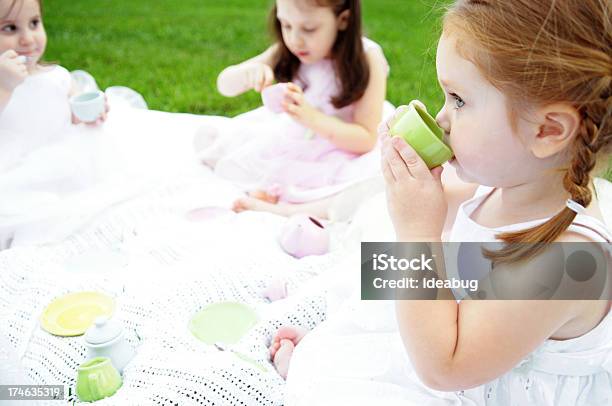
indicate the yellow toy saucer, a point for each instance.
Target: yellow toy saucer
{"x":72,"y":314}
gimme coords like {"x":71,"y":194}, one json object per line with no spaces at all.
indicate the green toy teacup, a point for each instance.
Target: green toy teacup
{"x":97,"y":379}
{"x":421,"y":132}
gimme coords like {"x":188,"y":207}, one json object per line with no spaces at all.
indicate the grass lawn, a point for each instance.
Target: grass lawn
{"x":171,"y":51}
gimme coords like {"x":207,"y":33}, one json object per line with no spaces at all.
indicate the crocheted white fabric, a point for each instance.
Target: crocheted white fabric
{"x":174,"y":269}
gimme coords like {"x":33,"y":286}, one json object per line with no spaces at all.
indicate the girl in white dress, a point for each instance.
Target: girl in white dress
{"x":42,"y":155}
{"x":33,"y":96}
{"x":528,"y":115}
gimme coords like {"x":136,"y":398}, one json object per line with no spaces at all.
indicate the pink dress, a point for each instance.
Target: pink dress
{"x":283,"y":156}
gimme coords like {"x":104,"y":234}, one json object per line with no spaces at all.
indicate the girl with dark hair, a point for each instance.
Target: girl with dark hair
{"x":333,"y":100}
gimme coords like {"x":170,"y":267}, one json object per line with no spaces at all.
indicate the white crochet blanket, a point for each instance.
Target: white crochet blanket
{"x":174,"y":268}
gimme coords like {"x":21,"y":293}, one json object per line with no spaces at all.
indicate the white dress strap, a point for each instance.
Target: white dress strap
{"x":579,"y":363}
{"x":591,"y":228}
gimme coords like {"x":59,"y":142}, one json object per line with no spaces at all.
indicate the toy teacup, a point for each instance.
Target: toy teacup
{"x":421,"y":132}
{"x":272,"y":97}
{"x":97,"y":379}
{"x":303,"y":235}
{"x":88,"y":107}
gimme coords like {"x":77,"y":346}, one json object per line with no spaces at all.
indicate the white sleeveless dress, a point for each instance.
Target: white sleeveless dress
{"x":43,"y":157}
{"x":36,"y":115}
{"x":357,"y":357}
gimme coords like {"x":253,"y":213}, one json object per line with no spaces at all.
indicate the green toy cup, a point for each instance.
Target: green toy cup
{"x":97,"y":379}
{"x":421,"y":132}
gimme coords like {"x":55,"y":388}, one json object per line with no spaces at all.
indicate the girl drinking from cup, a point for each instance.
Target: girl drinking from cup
{"x":332,"y":89}
{"x":41,"y":152}
{"x":33,"y":96}
{"x":528,"y":89}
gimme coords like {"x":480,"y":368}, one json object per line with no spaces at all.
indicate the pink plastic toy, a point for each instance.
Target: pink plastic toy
{"x":276,"y":290}
{"x":272,"y":97}
{"x":304,"y":235}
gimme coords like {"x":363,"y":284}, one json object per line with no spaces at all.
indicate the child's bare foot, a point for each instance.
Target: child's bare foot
{"x":250,"y":203}
{"x":283,"y":344}
{"x":264,"y":196}
{"x":259,"y":200}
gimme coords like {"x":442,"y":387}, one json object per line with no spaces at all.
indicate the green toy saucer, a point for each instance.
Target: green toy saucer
{"x":224,"y":322}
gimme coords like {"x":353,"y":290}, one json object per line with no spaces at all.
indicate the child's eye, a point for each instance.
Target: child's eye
{"x":9,"y":28}
{"x":309,"y":30}
{"x":34,"y":23}
{"x":458,"y":101}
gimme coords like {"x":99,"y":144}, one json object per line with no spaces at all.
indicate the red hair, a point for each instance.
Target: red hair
{"x":540,"y":52}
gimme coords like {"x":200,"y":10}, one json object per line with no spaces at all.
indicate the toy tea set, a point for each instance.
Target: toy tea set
{"x":219,"y":324}
{"x":108,"y":351}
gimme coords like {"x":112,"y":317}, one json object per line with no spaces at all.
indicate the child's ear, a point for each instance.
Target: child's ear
{"x":343,"y":19}
{"x":556,"y":128}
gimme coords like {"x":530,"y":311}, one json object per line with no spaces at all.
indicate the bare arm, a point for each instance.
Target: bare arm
{"x":452,"y":345}
{"x":359,"y":136}
{"x":13,"y":72}
{"x":235,"y":80}
{"x":456,"y":346}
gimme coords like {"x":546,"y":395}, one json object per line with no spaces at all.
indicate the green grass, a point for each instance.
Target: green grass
{"x":171,"y":51}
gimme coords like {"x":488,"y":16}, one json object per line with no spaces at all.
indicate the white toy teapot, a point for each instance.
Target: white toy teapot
{"x":105,"y":338}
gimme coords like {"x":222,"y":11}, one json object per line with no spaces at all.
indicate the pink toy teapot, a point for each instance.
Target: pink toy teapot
{"x":304,"y":235}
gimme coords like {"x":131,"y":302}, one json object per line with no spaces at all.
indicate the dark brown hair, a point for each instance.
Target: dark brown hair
{"x":349,"y":58}
{"x":541,"y":52}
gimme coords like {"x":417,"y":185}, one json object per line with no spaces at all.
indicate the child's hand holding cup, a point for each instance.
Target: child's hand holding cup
{"x":13,"y":70}
{"x":420,"y":131}
{"x":90,"y":107}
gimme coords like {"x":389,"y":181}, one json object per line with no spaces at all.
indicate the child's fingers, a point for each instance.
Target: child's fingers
{"x":290,"y":108}
{"x":437,"y":173}
{"x":294,"y":97}
{"x":383,"y":131}
{"x":294,"y":88}
{"x":386,"y":170}
{"x":397,"y":166}
{"x":414,"y":165}
{"x":274,"y":348}
{"x":385,"y":165}
{"x":385,"y":126}
{"x":9,"y":54}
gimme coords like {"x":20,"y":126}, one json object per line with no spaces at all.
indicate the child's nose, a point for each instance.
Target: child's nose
{"x":27,"y":37}
{"x":442,"y":120}
{"x":296,"y":39}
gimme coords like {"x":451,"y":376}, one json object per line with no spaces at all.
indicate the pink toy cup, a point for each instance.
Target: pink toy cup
{"x":272,"y":97}
{"x":304,"y":235}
